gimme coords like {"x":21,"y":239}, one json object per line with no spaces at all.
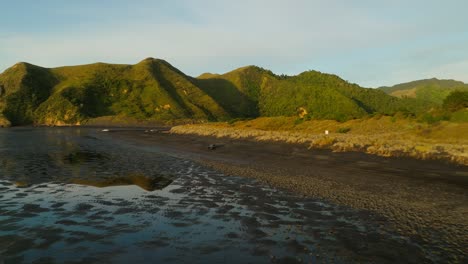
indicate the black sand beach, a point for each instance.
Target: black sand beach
{"x":427,"y":201}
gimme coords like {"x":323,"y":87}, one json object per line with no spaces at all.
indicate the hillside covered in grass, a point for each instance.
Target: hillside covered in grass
{"x":150,"y":90}
{"x":311,"y":94}
{"x":428,"y":90}
{"x":155,"y":91}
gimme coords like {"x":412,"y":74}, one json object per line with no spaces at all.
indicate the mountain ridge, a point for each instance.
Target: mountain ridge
{"x":432,"y":90}
{"x":155,"y":90}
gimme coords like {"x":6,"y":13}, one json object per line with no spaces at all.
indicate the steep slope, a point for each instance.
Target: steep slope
{"x":154,"y":90}
{"x":313,"y":94}
{"x":151,"y":89}
{"x":239,"y":90}
{"x":429,"y":90}
{"x":345,"y":100}
{"x":23,"y":88}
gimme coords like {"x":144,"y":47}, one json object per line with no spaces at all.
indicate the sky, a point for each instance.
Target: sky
{"x":372,"y":43}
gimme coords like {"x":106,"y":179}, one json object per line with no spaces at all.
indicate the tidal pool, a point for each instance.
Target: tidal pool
{"x":75,"y":195}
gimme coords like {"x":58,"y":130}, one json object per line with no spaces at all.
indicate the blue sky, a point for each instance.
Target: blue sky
{"x":371,"y":43}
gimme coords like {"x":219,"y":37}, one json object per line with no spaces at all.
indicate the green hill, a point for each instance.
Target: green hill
{"x":149,"y":90}
{"x":255,"y":91}
{"x":237,"y":91}
{"x":429,"y":90}
{"x":154,"y":90}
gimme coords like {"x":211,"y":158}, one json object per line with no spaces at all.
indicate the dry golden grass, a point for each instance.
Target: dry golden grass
{"x":383,"y":136}
{"x":4,"y":122}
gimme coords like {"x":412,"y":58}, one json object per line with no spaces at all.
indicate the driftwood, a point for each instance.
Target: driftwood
{"x":214,"y":146}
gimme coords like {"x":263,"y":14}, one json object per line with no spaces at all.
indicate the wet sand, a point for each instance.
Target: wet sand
{"x":427,"y":201}
{"x":89,"y":198}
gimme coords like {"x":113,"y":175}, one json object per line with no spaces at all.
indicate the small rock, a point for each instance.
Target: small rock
{"x":212,"y":147}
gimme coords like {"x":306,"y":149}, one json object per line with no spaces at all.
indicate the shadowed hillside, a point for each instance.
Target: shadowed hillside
{"x":155,"y":91}
{"x":151,"y":89}
{"x":255,"y":91}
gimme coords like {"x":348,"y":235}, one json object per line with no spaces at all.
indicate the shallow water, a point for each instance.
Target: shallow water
{"x":197,"y":216}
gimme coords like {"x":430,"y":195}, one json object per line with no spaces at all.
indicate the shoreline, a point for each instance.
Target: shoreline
{"x":423,"y":200}
{"x":383,"y":143}
{"x":411,"y":143}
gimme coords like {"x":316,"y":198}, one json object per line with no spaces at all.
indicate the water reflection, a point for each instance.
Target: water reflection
{"x":33,"y":156}
{"x":182,"y":213}
{"x":80,"y":157}
{"x":142,"y":181}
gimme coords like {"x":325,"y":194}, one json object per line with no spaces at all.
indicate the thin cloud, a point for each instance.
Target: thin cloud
{"x":362,"y":42}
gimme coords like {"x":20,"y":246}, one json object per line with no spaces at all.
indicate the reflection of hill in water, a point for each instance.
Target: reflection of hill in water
{"x":144,"y":182}
{"x":147,"y":183}
{"x":83,"y":156}
{"x":202,"y":217}
{"x":62,"y":155}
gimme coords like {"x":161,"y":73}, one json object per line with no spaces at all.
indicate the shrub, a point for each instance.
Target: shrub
{"x":323,"y":142}
{"x":298,"y":121}
{"x":432,"y":118}
{"x":459,"y":116}
{"x":456,"y":100}
{"x":343,"y":130}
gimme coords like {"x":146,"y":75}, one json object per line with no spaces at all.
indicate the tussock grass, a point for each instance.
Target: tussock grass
{"x":378,"y":135}
{"x":4,"y":122}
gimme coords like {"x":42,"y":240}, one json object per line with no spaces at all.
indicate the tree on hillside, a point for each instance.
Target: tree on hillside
{"x":456,"y":100}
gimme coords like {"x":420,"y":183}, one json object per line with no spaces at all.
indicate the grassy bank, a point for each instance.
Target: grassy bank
{"x":4,"y":122}
{"x":381,"y":135}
